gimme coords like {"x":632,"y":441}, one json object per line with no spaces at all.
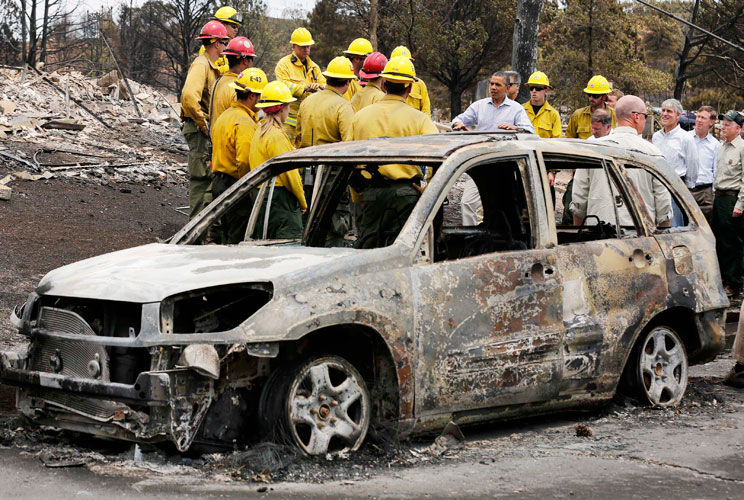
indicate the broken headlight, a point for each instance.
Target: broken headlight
{"x":214,"y":309}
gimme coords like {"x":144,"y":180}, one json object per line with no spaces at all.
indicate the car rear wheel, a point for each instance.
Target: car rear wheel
{"x":321,"y":406}
{"x":659,"y":367}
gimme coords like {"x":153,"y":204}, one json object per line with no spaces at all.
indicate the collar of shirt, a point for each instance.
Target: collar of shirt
{"x":212,"y":64}
{"x":708,"y":137}
{"x":624,"y":130}
{"x":333,"y":89}
{"x":393,"y":97}
{"x":251,"y":113}
{"x":674,"y":131}
{"x":505,"y":102}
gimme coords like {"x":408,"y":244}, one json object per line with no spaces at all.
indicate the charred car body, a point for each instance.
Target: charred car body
{"x":513,"y":316}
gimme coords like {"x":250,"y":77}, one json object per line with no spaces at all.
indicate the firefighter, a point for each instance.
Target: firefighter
{"x":240,"y":54}
{"x":580,"y":123}
{"x":232,"y":133}
{"x":288,"y":200}
{"x":419,"y":96}
{"x":231,"y":20}
{"x":357,"y":52}
{"x":326,"y":117}
{"x":389,"y":192}
{"x":545,"y":119}
{"x":195,"y":97}
{"x":323,"y":117}
{"x":300,"y":74}
{"x":370,"y":73}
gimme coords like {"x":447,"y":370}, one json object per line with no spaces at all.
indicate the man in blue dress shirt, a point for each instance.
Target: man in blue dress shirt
{"x":706,"y":146}
{"x":495,"y":112}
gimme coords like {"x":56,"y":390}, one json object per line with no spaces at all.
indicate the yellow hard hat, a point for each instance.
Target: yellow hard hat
{"x":227,"y":15}
{"x":359,"y":47}
{"x":538,"y":79}
{"x":301,"y":36}
{"x":340,"y":67}
{"x":598,"y":84}
{"x":250,"y":80}
{"x":275,"y":93}
{"x":401,"y":50}
{"x":399,"y":70}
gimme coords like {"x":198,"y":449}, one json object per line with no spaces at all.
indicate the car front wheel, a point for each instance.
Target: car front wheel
{"x":659,"y":367}
{"x":322,"y":406}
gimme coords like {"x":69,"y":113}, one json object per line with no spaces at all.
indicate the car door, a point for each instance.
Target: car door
{"x":487,"y":314}
{"x":613,"y":277}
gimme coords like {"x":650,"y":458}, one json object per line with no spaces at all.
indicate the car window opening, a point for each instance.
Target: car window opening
{"x":485,"y":211}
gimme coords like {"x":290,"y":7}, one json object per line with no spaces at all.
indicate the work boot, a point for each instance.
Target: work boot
{"x":735,"y":377}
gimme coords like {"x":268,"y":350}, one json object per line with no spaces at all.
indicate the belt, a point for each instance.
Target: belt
{"x":726,"y":192}
{"x":700,"y":187}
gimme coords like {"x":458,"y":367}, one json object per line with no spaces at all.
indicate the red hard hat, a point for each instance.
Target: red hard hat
{"x":213,"y":29}
{"x":239,"y":46}
{"x":373,"y":65}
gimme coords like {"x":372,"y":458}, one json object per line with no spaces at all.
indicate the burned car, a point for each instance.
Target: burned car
{"x":228,"y":345}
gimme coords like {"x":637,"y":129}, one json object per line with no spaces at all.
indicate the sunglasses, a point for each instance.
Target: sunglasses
{"x":537,"y":88}
{"x":645,"y":115}
{"x":512,"y":84}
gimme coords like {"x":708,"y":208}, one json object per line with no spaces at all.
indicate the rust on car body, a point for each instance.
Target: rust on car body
{"x":534,"y":326}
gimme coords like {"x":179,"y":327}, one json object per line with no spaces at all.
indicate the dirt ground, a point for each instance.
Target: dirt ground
{"x":50,"y":223}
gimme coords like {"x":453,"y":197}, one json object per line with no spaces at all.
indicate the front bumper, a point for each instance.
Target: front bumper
{"x":159,"y":405}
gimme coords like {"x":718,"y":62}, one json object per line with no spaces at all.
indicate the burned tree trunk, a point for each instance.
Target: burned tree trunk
{"x":524,"y":49}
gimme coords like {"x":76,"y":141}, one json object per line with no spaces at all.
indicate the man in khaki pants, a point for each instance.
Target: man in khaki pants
{"x":735,"y":378}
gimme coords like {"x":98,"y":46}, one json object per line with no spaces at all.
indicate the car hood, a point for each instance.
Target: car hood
{"x":153,"y":272}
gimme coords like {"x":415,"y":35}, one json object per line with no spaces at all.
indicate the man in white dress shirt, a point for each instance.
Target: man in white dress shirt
{"x":592,"y":193}
{"x":679,"y":150}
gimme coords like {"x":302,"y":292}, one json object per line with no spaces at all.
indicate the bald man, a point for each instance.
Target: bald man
{"x":631,"y":119}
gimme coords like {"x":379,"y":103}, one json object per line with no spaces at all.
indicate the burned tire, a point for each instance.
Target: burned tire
{"x":657,"y":368}
{"x":320,"y":406}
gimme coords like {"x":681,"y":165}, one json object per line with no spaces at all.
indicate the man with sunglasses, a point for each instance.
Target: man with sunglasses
{"x":631,"y":119}
{"x":545,"y":119}
{"x":515,"y":81}
{"x":580,"y":123}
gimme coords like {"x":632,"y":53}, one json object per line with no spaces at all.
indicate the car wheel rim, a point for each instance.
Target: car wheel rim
{"x":328,"y":407}
{"x":663,"y":365}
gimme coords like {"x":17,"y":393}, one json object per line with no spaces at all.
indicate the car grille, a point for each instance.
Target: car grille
{"x":74,"y":356}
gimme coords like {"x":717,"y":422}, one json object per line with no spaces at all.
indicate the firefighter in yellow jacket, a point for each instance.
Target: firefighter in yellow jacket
{"x":231,"y":20}
{"x":326,"y":117}
{"x":195,"y":97}
{"x":370,"y":73}
{"x":357,"y":52}
{"x":288,"y":200}
{"x":232,"y":135}
{"x":300,"y":74}
{"x":545,"y":118}
{"x":390,"y":191}
{"x":419,"y":96}
{"x":240,"y":54}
